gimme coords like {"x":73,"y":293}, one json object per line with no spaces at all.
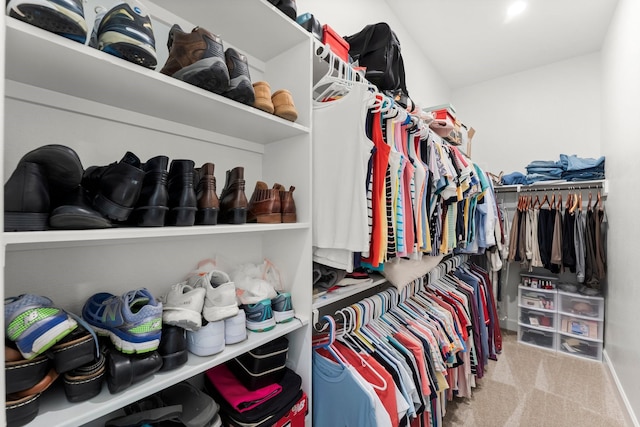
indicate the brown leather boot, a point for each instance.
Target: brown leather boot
{"x":287,"y":204}
{"x":197,"y":58}
{"x":263,"y":203}
{"x":233,"y":201}
{"x":208,"y":203}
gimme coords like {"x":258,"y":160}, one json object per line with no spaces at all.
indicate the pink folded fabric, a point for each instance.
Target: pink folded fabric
{"x":237,"y":394}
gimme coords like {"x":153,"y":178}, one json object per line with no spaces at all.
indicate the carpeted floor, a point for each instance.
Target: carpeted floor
{"x":530,"y":387}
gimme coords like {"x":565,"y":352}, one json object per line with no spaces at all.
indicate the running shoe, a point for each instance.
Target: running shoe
{"x":282,"y":307}
{"x":133,"y":321}
{"x":259,"y":316}
{"x":125,"y":31}
{"x":220,"y":300}
{"x":182,"y":306}
{"x":63,"y":17}
{"x":34,"y":324}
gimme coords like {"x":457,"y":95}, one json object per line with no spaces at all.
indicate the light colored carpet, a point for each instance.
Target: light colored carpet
{"x":530,"y":387}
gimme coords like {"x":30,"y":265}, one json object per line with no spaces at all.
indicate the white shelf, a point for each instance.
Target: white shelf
{"x":67,"y":238}
{"x":529,"y":288}
{"x":108,"y":80}
{"x":55,"y":410}
{"x":582,"y":337}
{"x":346,"y":292}
{"x":540,"y":328}
{"x":543,"y":310}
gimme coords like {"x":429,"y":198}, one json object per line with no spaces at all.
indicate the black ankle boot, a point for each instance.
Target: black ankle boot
{"x":182,"y":196}
{"x":75,"y":212}
{"x":115,"y":188}
{"x":26,"y":199}
{"x":152,"y":205}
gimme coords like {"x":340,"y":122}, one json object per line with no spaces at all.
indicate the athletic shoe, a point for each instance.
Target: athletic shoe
{"x":235,"y":330}
{"x":34,"y":324}
{"x":220,"y":300}
{"x":182,"y":306}
{"x":282,"y":307}
{"x":260,"y":316}
{"x":133,"y":321}
{"x":207,"y":340}
{"x":63,"y":17}
{"x":125,"y":31}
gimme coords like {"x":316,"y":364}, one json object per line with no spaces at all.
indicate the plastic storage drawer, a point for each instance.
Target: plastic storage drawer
{"x":581,"y":327}
{"x":580,"y":305}
{"x":537,"y":298}
{"x":537,"y":319}
{"x":543,"y":339}
{"x":580,"y":347}
{"x":263,"y":365}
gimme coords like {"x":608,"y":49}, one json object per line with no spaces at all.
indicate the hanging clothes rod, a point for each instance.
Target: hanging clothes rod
{"x":568,"y":185}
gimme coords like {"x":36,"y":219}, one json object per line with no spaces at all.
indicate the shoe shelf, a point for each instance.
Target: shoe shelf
{"x":15,"y":241}
{"x":55,"y":64}
{"x":347,"y":292}
{"x":55,"y":410}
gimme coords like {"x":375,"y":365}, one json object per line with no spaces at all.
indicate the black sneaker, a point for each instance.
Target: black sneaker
{"x":63,"y":17}
{"x":125,"y":31}
{"x":240,"y":88}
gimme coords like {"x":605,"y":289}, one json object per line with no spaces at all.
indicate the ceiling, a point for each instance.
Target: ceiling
{"x":470,"y":41}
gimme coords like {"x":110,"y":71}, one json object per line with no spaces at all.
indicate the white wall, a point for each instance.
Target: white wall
{"x":426,"y":86}
{"x":620,"y":107}
{"x":534,"y":115}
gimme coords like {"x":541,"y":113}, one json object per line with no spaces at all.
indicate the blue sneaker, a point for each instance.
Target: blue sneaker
{"x":282,"y":307}
{"x":63,"y":17}
{"x":34,"y":324}
{"x":133,"y":321}
{"x":125,"y":31}
{"x":260,"y":316}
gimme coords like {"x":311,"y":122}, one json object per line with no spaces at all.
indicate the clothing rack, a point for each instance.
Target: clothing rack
{"x":568,"y":185}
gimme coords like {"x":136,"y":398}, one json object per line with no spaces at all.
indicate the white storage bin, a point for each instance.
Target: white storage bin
{"x":537,"y":319}
{"x":537,"y":337}
{"x":580,"y":347}
{"x":537,"y":298}
{"x":581,"y":305}
{"x":581,"y":326}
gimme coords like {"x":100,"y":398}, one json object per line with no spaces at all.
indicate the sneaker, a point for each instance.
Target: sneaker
{"x":125,"y":31}
{"x":34,"y":324}
{"x":197,"y":58}
{"x":133,"y":321}
{"x":182,"y":306}
{"x":240,"y":87}
{"x":235,"y":330}
{"x":259,"y":316}
{"x":63,"y":17}
{"x":208,"y":340}
{"x":282,"y":307}
{"x":220,"y":299}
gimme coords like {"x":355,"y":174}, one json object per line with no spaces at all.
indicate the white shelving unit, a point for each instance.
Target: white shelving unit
{"x":57,"y":91}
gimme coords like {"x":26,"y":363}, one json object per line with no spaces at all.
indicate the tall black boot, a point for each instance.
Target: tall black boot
{"x":182,"y":196}
{"x":152,"y":205}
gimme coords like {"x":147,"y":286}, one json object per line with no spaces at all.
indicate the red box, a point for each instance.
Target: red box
{"x":295,"y":417}
{"x":442,"y":115}
{"x":338,"y":45}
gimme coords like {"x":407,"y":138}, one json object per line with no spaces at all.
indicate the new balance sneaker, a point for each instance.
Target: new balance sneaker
{"x":182,"y":306}
{"x":259,"y":316}
{"x":34,"y":324}
{"x":63,"y":17}
{"x":132,"y":321}
{"x":207,"y":340}
{"x":197,"y":58}
{"x":220,"y":299}
{"x":240,"y":87}
{"x":125,"y":31}
{"x":282,"y":307}
{"x":235,"y":329}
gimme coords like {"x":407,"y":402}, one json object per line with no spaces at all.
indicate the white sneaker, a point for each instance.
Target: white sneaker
{"x":234,"y":328}
{"x":207,"y":340}
{"x":220,"y":300}
{"x":182,"y":306}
